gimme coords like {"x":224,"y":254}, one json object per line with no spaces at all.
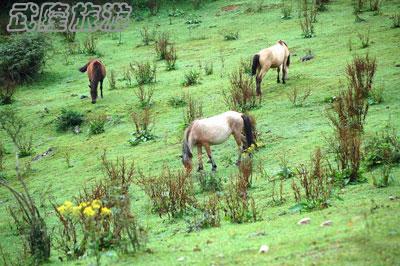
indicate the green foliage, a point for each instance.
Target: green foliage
{"x":209,"y":181}
{"x":208,"y":68}
{"x":192,"y":77}
{"x":395,"y":20}
{"x":176,"y":13}
{"x":286,"y":9}
{"x":22,"y":56}
{"x":147,"y":35}
{"x":161,"y":45}
{"x":90,"y":45}
{"x":112,"y":80}
{"x":384,"y":179}
{"x":143,"y":121}
{"x":96,"y":124}
{"x":68,"y":119}
{"x":364,"y":39}
{"x":193,"y":111}
{"x":177,"y":101}
{"x":376,"y":95}
{"x":207,"y":215}
{"x":144,"y":72}
{"x":2,"y":156}
{"x":170,"y":58}
{"x":231,"y":35}
{"x":144,"y":95}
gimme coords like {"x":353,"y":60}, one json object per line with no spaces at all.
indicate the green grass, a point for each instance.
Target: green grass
{"x":360,"y":234}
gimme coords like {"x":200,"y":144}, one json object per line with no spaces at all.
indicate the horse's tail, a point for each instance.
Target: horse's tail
{"x":256,"y":63}
{"x":288,"y":61}
{"x":84,"y":68}
{"x":185,"y":146}
{"x":248,"y":130}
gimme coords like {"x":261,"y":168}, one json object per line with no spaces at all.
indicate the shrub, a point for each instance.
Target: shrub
{"x":296,"y":99}
{"x":209,"y":181}
{"x":142,"y":120}
{"x":364,"y":38}
{"x":15,"y":128}
{"x":209,"y":214}
{"x":313,"y":188}
{"x":239,"y":206}
{"x":171,"y":192}
{"x":192,"y":77}
{"x":7,"y":90}
{"x":307,"y":20}
{"x":241,"y":96}
{"x":68,"y":119}
{"x":28,"y":219}
{"x":286,"y":9}
{"x":144,"y":96}
{"x":177,"y":101}
{"x":231,"y":35}
{"x":144,"y":73}
{"x":147,"y":35}
{"x":395,"y":20}
{"x":193,"y":111}
{"x":112,"y":80}
{"x":161,"y":45}
{"x":22,"y":56}
{"x":348,"y":114}
{"x":170,"y":58}
{"x":96,"y":124}
{"x":90,"y":45}
{"x":383,"y":148}
{"x":101,"y":217}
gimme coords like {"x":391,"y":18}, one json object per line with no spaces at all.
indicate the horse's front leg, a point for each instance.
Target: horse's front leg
{"x":239,"y":138}
{"x":200,"y":157}
{"x":208,"y":149}
{"x":278,"y":69}
{"x":259,"y":79}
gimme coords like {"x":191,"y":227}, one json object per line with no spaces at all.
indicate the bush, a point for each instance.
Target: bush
{"x":209,"y":214}
{"x":147,"y":35}
{"x":171,"y":192}
{"x":170,"y":58}
{"x":395,"y":20}
{"x":142,"y":120}
{"x":241,"y":96}
{"x":177,"y":101}
{"x":90,"y":45}
{"x":314,"y":187}
{"x":101,"y":217}
{"x":7,"y":90}
{"x":192,"y":77}
{"x":231,"y":35}
{"x":161,"y":45}
{"x":15,"y":128}
{"x":28,"y":220}
{"x":112,"y":80}
{"x":22,"y":56}
{"x":96,"y":124}
{"x":193,"y":111}
{"x":144,"y":73}
{"x":68,"y":119}
{"x":383,"y":148}
{"x":144,"y":96}
{"x":296,"y":99}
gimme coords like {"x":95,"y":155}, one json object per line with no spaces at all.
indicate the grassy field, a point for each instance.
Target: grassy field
{"x":365,"y":227}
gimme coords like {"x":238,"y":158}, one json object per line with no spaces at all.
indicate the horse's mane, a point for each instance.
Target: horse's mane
{"x":282,"y":43}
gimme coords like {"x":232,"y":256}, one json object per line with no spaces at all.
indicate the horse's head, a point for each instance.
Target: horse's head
{"x":187,"y":157}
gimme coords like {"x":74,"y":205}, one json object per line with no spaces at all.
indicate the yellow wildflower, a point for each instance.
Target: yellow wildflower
{"x":76,"y":210}
{"x":105,"y":211}
{"x":61,"y":209}
{"x":96,"y":204}
{"x":89,"y":212}
{"x":68,"y":205}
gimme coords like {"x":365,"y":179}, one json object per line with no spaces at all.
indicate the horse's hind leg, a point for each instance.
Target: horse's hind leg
{"x":101,"y":88}
{"x":200,"y":157}
{"x":208,"y":149}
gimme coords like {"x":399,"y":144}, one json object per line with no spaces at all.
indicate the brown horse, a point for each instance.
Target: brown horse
{"x":96,"y":73}
{"x":213,"y":131}
{"x":276,"y":56}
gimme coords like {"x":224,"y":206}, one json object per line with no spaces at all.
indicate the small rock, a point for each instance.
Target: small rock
{"x":306,"y":58}
{"x":83,"y":97}
{"x":326,"y":223}
{"x":181,"y":258}
{"x":263,"y":249}
{"x":392,"y":197}
{"x":196,"y":249}
{"x":306,"y":220}
{"x":77,"y":130}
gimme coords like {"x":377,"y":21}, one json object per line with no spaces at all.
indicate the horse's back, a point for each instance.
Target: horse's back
{"x":275,"y":54}
{"x":96,"y":65}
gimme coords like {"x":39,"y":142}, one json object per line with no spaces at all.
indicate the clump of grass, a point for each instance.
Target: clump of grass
{"x":209,"y":181}
{"x":241,"y":96}
{"x":209,"y":214}
{"x":112,"y":80}
{"x":313,"y":188}
{"x":358,"y":6}
{"x":145,"y":95}
{"x":144,"y":72}
{"x":376,"y":95}
{"x":208,"y":68}
{"x":296,"y":99}
{"x":69,"y":36}
{"x":90,"y":45}
{"x":161,"y":44}
{"x":375,"y":5}
{"x":245,"y":64}
{"x":96,"y":124}
{"x":192,"y":77}
{"x":2,"y":156}
{"x":171,"y":192}
{"x":170,"y":58}
{"x":193,"y":111}
{"x":177,"y":101}
{"x":395,"y":20}
{"x":277,"y":196}
{"x":15,"y":128}
{"x":143,"y":120}
{"x":231,"y":35}
{"x":286,"y":9}
{"x":364,"y":39}
{"x":147,"y":35}
{"x":68,"y":119}
{"x":384,"y":179}
{"x":127,"y":76}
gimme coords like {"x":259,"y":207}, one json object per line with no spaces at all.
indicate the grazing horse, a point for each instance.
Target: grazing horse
{"x":96,"y":73}
{"x":276,"y":56}
{"x":213,"y":131}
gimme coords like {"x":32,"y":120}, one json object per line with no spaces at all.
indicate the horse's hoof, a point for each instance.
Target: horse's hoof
{"x":93,"y":102}
{"x":278,"y":81}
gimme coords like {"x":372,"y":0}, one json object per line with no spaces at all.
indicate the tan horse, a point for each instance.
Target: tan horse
{"x":276,"y":56}
{"x":96,"y":73}
{"x":213,"y":131}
